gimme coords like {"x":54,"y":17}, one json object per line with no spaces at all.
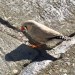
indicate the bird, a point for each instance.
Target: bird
{"x":39,"y":34}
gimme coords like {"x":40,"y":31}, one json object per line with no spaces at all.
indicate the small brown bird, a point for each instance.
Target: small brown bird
{"x":39,"y":34}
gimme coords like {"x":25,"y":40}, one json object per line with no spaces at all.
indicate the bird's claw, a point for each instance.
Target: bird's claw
{"x":34,"y":46}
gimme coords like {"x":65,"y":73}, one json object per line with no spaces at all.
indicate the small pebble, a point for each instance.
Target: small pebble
{"x":65,"y":74}
{"x":15,"y":71}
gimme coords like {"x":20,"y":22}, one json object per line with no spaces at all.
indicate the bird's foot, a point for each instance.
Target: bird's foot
{"x":34,"y":46}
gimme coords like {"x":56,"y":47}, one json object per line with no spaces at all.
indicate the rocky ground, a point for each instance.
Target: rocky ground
{"x":16,"y":57}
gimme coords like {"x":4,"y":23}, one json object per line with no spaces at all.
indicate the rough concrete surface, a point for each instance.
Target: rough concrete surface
{"x":14,"y":52}
{"x":64,"y":66}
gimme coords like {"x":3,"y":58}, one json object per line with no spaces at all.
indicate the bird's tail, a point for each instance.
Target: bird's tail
{"x":59,"y":37}
{"x":65,"y":38}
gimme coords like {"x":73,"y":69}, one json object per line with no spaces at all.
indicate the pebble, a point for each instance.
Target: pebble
{"x":15,"y":71}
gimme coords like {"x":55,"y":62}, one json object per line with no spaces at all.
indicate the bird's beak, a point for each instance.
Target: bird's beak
{"x":22,"y":28}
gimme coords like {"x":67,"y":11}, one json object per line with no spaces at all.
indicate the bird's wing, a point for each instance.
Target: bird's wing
{"x":46,"y":29}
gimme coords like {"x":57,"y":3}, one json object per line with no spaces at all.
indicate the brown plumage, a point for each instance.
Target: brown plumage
{"x":38,"y":33}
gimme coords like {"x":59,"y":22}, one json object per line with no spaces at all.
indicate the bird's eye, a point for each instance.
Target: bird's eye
{"x":25,"y":27}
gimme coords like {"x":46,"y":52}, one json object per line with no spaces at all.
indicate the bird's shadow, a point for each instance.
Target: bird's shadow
{"x":24,"y":52}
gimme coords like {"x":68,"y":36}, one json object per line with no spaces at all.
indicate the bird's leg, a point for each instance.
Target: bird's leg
{"x":35,"y":46}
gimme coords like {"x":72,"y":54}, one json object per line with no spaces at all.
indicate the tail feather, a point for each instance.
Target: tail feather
{"x":59,"y":37}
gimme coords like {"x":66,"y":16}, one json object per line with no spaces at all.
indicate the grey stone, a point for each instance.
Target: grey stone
{"x":35,"y":67}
